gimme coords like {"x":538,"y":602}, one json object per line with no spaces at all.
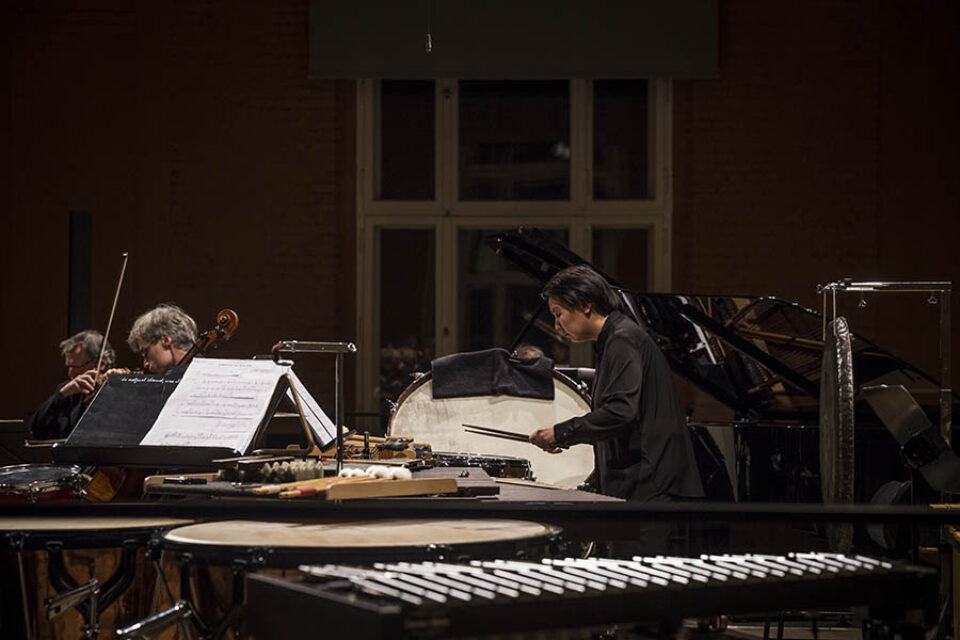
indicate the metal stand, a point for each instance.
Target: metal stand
{"x":939,"y":294}
{"x":338,"y":348}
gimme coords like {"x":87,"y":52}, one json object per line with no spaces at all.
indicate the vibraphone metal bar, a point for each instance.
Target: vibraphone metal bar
{"x":503,"y":596}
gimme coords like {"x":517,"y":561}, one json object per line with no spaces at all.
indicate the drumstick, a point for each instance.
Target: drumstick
{"x":496,"y":433}
{"x":513,"y":438}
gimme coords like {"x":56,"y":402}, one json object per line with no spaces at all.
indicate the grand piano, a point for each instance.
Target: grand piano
{"x":760,"y":358}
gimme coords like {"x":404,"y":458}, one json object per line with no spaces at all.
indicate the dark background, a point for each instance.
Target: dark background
{"x":827,"y":147}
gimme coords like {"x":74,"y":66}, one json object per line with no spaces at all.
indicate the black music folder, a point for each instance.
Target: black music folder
{"x":222,"y":409}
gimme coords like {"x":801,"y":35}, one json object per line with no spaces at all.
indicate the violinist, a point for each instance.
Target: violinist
{"x":59,"y":414}
{"x":162,"y":337}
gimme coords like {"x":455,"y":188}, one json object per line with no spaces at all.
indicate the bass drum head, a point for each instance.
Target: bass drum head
{"x":439,"y":422}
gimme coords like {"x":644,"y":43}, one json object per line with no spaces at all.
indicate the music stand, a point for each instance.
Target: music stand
{"x":338,"y":348}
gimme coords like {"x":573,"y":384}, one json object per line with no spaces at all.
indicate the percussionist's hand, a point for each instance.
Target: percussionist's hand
{"x":544,"y":439}
{"x":83,"y":383}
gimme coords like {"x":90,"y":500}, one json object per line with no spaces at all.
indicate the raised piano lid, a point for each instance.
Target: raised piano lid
{"x":759,"y":355}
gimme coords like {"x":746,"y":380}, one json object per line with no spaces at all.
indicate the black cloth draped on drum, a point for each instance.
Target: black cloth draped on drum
{"x":57,"y":416}
{"x":642,"y":446}
{"x":492,"y":372}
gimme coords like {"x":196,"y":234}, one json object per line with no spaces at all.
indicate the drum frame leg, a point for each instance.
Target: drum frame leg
{"x":112,"y":589}
{"x":123,"y":577}
{"x":162,"y":586}
{"x":238,"y":596}
{"x":236,"y":605}
{"x":188,"y":594}
{"x":23,"y":597}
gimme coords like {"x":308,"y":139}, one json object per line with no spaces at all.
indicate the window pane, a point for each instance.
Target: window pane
{"x":496,"y":300}
{"x":621,"y":141}
{"x":406,"y":162}
{"x":624,"y":255}
{"x":515,"y":140}
{"x":407,"y":303}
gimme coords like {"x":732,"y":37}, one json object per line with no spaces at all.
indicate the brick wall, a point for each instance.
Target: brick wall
{"x":192,"y":133}
{"x":827,"y":148}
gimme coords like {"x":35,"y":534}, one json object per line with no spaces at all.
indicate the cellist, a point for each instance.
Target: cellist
{"x":162,"y":337}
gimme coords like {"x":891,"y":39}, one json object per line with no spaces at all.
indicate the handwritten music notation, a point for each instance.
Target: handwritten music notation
{"x":218,"y":403}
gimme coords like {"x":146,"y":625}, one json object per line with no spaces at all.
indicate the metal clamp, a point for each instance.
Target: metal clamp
{"x":58,"y":604}
{"x":156,"y":624}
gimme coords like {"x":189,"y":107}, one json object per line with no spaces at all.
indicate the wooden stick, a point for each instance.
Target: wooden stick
{"x":314,"y":482}
{"x":380,"y":488}
{"x":527,"y":483}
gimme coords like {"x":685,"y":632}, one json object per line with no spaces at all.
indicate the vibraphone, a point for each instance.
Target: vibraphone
{"x":431,"y":599}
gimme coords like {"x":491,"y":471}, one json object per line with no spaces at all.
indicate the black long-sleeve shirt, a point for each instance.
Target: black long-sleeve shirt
{"x":641,"y":443}
{"x":57,"y":416}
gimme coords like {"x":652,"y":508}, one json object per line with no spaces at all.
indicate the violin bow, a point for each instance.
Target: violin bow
{"x":116,"y":296}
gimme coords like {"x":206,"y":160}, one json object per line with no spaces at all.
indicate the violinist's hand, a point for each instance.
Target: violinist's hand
{"x":83,"y":383}
{"x":109,"y":373}
{"x":544,"y":439}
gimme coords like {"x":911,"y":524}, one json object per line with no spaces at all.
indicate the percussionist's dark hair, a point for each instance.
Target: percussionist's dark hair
{"x":578,"y":286}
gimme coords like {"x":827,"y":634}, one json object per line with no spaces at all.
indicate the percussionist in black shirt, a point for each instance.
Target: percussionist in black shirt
{"x":642,"y":447}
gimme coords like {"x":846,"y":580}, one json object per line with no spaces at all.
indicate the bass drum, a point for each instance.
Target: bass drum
{"x":440,"y":422}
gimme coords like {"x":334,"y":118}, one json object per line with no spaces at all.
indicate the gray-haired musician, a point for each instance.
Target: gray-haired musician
{"x":162,"y":336}
{"x":59,"y":414}
{"x":642,"y":447}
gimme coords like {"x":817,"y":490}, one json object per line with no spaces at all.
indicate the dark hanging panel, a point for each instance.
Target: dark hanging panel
{"x":513,"y":38}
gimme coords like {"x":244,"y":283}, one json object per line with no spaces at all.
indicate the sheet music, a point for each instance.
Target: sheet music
{"x":324,"y":430}
{"x":218,"y":403}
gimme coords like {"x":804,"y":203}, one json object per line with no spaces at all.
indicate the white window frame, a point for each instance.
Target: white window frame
{"x":446,"y":215}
